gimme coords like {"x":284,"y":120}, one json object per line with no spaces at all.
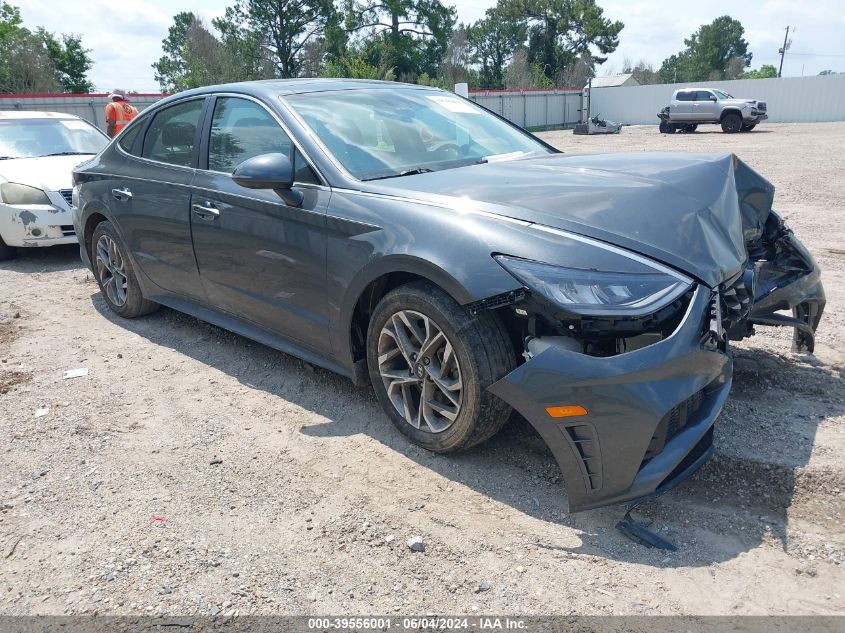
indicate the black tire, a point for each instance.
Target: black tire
{"x":667,"y":128}
{"x":135,"y":304}
{"x":731,"y":123}
{"x":748,"y":128}
{"x":483,"y":352}
{"x":6,"y":251}
{"x":690,"y":128}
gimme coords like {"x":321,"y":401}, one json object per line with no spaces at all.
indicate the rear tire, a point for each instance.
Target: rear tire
{"x":115,"y":274}
{"x":731,"y":123}
{"x":6,"y":251}
{"x":430,"y":363}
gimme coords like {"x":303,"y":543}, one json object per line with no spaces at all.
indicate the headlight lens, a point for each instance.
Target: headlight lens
{"x":598,"y":293}
{"x":13,"y":193}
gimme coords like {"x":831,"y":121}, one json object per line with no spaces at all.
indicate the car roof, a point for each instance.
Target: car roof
{"x":272,"y":88}
{"x":35,"y":114}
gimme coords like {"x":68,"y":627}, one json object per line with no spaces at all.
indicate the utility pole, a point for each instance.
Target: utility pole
{"x":782,"y":51}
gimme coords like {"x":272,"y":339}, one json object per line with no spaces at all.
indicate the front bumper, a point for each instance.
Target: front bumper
{"x":37,"y":225}
{"x":650,"y":411}
{"x":755,"y":117}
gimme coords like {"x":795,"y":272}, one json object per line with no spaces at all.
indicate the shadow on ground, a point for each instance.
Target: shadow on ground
{"x":733,"y":504}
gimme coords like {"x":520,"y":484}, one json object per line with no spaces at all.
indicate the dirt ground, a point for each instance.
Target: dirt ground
{"x":196,"y":472}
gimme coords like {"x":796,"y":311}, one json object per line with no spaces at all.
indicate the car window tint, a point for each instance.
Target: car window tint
{"x":127,"y":138}
{"x":703,"y":95}
{"x":302,"y":171}
{"x":242,"y":129}
{"x":170,"y":137}
{"x":685,"y":96}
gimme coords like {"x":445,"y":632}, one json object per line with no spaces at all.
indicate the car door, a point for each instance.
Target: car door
{"x":151,"y":198}
{"x":259,"y":258}
{"x":704,"y":106}
{"x":682,"y":108}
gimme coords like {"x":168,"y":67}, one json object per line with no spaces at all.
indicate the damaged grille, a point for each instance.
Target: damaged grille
{"x":67,"y":194}
{"x":761,"y":106}
{"x":673,"y":423}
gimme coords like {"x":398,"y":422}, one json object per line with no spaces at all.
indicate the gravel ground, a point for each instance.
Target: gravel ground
{"x":192,"y":471}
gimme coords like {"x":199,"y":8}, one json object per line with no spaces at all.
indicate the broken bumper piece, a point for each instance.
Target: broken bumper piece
{"x":649,"y":412}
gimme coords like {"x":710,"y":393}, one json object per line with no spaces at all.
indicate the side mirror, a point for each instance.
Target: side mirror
{"x":269,"y":171}
{"x":713,"y":99}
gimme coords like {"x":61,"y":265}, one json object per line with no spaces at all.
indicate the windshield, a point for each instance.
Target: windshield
{"x":32,"y":138}
{"x":722,"y":95}
{"x":380,"y":133}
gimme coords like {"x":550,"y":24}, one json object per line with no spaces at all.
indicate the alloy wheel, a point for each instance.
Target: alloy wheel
{"x":110,"y":269}
{"x":420,"y":371}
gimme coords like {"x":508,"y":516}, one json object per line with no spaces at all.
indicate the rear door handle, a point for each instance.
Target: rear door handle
{"x":122,"y":195}
{"x":206,"y":211}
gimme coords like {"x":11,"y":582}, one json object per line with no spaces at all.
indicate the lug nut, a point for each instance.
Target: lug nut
{"x":426,"y":361}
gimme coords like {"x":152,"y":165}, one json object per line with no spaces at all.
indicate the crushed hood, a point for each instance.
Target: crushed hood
{"x":50,"y":173}
{"x":692,"y":212}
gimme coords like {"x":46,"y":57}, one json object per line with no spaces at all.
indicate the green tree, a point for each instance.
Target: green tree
{"x":281,"y":27}
{"x":71,"y":60}
{"x":562,"y":32}
{"x":410,"y":36}
{"x":493,"y":40}
{"x":766,"y":71}
{"x":36,"y":61}
{"x":195,"y":56}
{"x":716,"y":51}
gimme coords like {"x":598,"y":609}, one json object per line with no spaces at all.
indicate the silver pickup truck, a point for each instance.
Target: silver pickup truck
{"x":692,"y":106}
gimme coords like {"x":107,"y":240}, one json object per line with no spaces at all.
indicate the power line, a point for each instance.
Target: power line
{"x":818,"y":54}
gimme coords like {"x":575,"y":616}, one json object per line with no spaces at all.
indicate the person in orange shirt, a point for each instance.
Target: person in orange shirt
{"x":118,"y":113}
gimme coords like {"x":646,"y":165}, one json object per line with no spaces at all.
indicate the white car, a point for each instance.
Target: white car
{"x":38,"y":151}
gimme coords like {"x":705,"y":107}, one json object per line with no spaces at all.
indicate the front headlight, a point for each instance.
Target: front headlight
{"x":598,"y":293}
{"x":13,"y":193}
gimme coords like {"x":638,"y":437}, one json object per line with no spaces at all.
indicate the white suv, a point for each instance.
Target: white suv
{"x":38,"y":151}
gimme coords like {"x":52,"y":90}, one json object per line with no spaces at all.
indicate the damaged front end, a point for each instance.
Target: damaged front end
{"x":624,"y":376}
{"x":780,"y":275}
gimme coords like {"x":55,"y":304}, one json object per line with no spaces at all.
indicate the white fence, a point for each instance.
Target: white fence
{"x":90,"y":107}
{"x":533,"y":109}
{"x":789,"y":99}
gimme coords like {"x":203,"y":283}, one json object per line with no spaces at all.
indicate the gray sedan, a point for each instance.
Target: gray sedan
{"x":403,"y":236}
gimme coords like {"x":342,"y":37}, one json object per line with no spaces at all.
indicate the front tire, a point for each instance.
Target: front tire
{"x":115,"y":274}
{"x":748,"y":128}
{"x":6,"y":251}
{"x":667,"y":128}
{"x":731,"y":123}
{"x":430,"y":363}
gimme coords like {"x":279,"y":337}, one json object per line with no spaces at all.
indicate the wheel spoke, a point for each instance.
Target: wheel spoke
{"x":432,"y":344}
{"x":406,"y":402}
{"x":403,"y":341}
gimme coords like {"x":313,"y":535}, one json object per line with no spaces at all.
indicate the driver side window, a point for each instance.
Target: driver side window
{"x":242,"y":129}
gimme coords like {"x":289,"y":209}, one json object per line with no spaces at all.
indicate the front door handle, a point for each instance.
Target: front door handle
{"x":121,"y":195}
{"x":206,"y":211}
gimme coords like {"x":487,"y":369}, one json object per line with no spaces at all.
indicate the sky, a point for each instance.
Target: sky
{"x":125,"y":37}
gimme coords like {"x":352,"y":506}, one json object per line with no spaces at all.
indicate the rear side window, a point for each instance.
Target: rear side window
{"x":703,"y":95}
{"x":685,"y":96}
{"x":240,"y":130}
{"x":127,"y":139}
{"x":170,"y":137}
